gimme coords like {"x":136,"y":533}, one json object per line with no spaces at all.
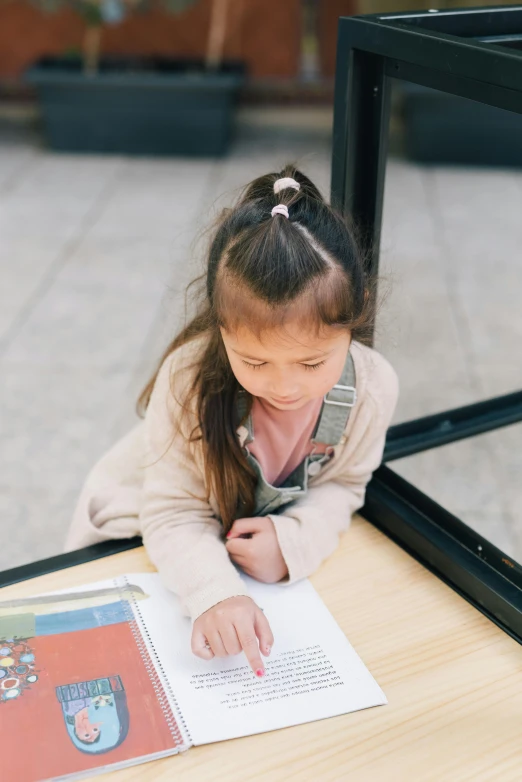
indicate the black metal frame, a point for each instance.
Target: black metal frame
{"x":457,"y":52}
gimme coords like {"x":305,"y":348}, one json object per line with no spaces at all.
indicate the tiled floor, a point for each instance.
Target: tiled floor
{"x":95,"y":254}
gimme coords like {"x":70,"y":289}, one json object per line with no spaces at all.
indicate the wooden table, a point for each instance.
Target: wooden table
{"x":452,"y":678}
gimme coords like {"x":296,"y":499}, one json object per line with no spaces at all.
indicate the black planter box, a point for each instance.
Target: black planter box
{"x":151,"y":106}
{"x":444,"y":128}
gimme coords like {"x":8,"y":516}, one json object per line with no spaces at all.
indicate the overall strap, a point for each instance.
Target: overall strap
{"x":335,"y":410}
{"x":337,"y":406}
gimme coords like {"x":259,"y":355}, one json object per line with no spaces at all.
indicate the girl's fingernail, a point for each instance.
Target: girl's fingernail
{"x":229,"y":534}
{"x":260,"y":672}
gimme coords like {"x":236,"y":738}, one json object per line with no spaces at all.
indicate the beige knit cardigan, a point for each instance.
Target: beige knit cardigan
{"x":151,"y":483}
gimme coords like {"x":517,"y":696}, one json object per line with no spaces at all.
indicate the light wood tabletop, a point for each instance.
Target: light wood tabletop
{"x":452,"y":678}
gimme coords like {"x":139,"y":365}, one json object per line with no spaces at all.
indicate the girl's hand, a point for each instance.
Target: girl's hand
{"x":252,"y":544}
{"x":233,"y":625}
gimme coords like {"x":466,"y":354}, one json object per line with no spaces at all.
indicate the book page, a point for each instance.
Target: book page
{"x":76,"y":677}
{"x":312,"y":672}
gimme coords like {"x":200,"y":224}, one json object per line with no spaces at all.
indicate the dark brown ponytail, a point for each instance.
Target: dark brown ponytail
{"x":312,"y":257}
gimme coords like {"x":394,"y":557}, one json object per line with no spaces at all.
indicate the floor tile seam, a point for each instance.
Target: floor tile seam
{"x":213,"y":178}
{"x":64,"y":254}
{"x":206,"y":204}
{"x":10,"y":183}
{"x":496,"y":462}
{"x":457,"y":306}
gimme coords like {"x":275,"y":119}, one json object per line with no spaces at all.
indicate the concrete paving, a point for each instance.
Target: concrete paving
{"x":95,"y":254}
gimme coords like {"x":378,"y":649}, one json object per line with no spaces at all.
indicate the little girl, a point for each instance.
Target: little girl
{"x":263,"y":424}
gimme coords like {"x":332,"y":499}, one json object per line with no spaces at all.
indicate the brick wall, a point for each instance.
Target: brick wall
{"x":265,"y":33}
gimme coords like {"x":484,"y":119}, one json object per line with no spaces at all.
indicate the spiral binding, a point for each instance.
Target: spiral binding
{"x":156,"y":674}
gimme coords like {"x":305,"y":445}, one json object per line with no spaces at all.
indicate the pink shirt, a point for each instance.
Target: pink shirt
{"x":282,"y":438}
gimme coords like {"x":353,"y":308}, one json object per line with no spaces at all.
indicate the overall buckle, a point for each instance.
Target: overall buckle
{"x":343,"y":390}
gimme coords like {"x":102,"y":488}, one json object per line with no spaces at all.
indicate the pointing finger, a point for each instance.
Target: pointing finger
{"x":248,"y":640}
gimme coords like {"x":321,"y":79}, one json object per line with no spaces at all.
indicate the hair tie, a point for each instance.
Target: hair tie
{"x":280,"y":184}
{"x":280,"y":209}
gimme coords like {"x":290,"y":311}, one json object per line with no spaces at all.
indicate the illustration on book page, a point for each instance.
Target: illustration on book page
{"x":75,"y":680}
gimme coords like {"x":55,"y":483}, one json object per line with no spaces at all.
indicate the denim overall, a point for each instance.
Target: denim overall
{"x":333,"y":417}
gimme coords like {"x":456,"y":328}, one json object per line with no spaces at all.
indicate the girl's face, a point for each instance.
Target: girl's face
{"x":287,"y":367}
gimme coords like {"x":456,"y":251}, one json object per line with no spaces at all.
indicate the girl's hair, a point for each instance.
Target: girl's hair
{"x":263,"y":271}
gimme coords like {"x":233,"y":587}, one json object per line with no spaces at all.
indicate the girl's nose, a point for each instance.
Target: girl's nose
{"x":284,"y":391}
{"x":282,"y":384}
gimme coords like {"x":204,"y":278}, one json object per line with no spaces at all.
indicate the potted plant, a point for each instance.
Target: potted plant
{"x":137,"y":105}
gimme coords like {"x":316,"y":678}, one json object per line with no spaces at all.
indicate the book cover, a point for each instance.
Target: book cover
{"x":77,"y":690}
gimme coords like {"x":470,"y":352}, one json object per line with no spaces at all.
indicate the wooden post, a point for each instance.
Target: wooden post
{"x":91,"y":49}
{"x":217,"y":31}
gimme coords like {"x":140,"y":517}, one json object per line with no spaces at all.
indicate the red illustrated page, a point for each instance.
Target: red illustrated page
{"x":74,"y":701}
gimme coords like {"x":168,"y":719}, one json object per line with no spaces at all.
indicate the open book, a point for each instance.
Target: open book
{"x":102,"y":677}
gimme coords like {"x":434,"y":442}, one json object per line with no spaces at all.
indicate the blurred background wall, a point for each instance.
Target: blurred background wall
{"x":266,"y":34}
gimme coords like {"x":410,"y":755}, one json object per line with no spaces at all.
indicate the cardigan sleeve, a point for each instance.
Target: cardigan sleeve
{"x":181,"y":533}
{"x":309,"y":530}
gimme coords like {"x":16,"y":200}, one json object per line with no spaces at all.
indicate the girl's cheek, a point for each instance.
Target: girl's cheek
{"x":241,"y":375}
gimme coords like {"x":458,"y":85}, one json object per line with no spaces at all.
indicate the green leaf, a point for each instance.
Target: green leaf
{"x":50,"y":6}
{"x":178,"y":6}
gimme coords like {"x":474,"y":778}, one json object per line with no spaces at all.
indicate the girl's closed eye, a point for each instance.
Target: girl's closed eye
{"x":315,"y":366}
{"x":252,"y":366}
{"x":306,"y":366}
